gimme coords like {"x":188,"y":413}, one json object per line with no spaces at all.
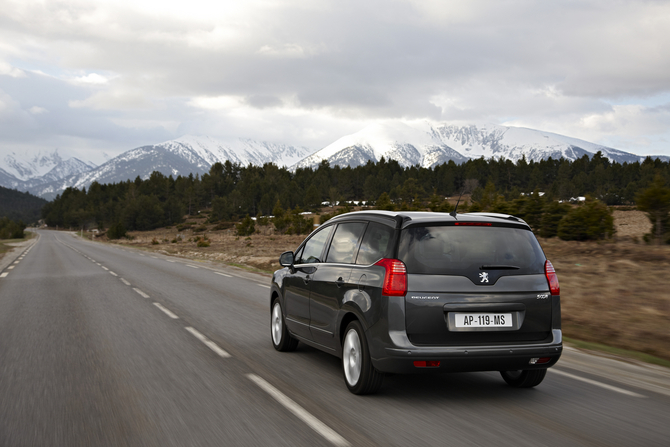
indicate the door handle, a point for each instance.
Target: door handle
{"x":307,"y":279}
{"x":339,"y":282}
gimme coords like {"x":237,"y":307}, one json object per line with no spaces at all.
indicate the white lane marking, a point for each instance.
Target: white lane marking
{"x":166,"y":311}
{"x":600,"y":384}
{"x":124,"y":281}
{"x":143,"y":255}
{"x":209,"y":343}
{"x":112,"y":273}
{"x":105,"y":268}
{"x":263,"y":285}
{"x":99,"y":264}
{"x":192,"y":266}
{"x":142,"y":294}
{"x":155,"y":257}
{"x":170,"y":261}
{"x":328,"y":433}
{"x":11,"y":267}
{"x":2,"y":275}
{"x":16,"y":262}
{"x":223,"y":274}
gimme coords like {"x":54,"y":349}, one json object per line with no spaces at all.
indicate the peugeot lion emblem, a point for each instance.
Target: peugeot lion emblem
{"x":483,"y":277}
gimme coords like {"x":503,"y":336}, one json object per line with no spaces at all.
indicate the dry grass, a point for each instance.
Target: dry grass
{"x":616,"y":293}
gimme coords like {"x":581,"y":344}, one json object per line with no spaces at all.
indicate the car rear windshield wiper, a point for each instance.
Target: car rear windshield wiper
{"x":499,"y":267}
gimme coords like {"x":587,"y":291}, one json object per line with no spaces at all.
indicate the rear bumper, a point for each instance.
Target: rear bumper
{"x":400,"y":357}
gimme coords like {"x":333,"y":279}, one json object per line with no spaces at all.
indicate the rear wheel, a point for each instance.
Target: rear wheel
{"x":526,"y":378}
{"x":281,"y":339}
{"x":359,"y":374}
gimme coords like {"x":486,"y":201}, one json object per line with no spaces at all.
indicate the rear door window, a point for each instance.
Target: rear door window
{"x":461,"y":250}
{"x":312,"y":251}
{"x":376,"y":244}
{"x":345,"y":242}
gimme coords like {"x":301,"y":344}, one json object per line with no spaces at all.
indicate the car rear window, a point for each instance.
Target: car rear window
{"x":458,"y":250}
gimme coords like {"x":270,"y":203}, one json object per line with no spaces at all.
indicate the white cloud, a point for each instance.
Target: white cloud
{"x":92,"y":78}
{"x":7,"y":70}
{"x":36,"y":110}
{"x":284,"y":68}
{"x":291,"y":51}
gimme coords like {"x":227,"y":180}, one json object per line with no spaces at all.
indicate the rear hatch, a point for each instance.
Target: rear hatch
{"x":475,"y":283}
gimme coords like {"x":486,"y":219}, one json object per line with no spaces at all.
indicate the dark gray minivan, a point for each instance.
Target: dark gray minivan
{"x":412,"y":292}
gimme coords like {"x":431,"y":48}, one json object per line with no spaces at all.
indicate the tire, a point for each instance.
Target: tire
{"x":359,"y":374}
{"x":281,"y":339}
{"x":526,"y":378}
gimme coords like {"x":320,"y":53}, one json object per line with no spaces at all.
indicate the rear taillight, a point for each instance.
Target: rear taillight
{"x":395,"y":279}
{"x":552,"y":279}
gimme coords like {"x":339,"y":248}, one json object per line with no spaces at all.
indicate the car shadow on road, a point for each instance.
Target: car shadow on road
{"x":466,"y":386}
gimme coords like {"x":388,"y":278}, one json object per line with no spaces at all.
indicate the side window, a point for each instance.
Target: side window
{"x":343,"y":248}
{"x":376,"y":244}
{"x":311,"y":252}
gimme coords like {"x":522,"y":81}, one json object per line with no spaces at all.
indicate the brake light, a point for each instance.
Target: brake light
{"x":473,"y":224}
{"x":395,"y":279}
{"x":552,"y":279}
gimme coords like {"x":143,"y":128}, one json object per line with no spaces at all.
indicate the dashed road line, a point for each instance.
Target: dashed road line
{"x":16,"y":262}
{"x":166,"y":311}
{"x":263,"y":285}
{"x":11,"y":267}
{"x":223,"y":274}
{"x":192,"y":266}
{"x":170,"y":260}
{"x":209,"y":343}
{"x":112,"y":273}
{"x":104,"y":268}
{"x":124,"y":281}
{"x":142,"y":294}
{"x":593,"y":382}
{"x":312,"y":422}
{"x":4,"y":275}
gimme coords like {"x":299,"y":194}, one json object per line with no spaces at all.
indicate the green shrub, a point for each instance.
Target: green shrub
{"x":154,"y":241}
{"x":10,"y":229}
{"x":247,"y":227}
{"x":200,"y":228}
{"x":116,"y":231}
{"x":553,"y":213}
{"x":655,"y":202}
{"x":591,"y":221}
{"x":203,"y":243}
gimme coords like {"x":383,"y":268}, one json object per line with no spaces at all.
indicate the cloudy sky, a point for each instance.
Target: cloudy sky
{"x":94,"y":76}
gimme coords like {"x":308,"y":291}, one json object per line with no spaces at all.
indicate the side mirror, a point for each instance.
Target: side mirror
{"x":286,"y":259}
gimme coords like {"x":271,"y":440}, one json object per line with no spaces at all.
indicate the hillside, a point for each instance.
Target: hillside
{"x":18,"y":205}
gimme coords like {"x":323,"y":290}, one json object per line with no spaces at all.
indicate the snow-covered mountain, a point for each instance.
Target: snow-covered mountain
{"x":183,"y":156}
{"x":418,"y":143}
{"x":429,"y":144}
{"x":408,"y":145}
{"x":24,"y":166}
{"x":27,"y":170}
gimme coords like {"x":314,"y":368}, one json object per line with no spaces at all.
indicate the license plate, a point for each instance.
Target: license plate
{"x":467,"y":320}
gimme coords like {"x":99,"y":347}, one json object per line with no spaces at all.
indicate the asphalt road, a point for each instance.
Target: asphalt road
{"x":101,"y":345}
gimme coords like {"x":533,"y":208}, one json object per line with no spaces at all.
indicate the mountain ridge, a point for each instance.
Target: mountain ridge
{"x":420,"y":143}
